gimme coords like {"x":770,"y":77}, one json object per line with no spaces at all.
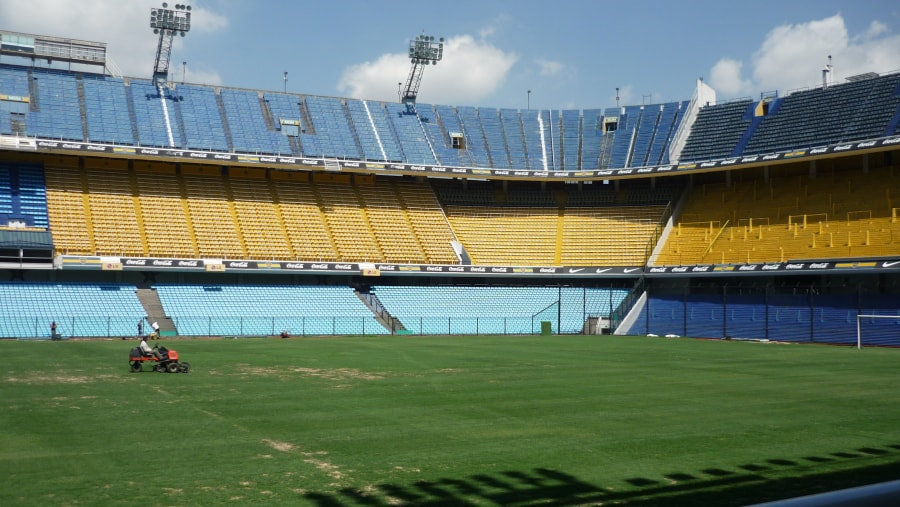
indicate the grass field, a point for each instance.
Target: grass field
{"x":445,"y":421}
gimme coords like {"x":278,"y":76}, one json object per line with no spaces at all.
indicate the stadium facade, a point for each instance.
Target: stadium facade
{"x":224,"y":211}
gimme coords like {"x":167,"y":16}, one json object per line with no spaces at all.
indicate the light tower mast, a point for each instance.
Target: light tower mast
{"x":167,"y":23}
{"x":423,"y":51}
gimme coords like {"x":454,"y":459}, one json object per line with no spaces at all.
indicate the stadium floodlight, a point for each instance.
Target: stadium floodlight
{"x":167,"y":23}
{"x":423,"y":51}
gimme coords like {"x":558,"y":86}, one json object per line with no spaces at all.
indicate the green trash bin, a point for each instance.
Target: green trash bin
{"x":546,"y":328}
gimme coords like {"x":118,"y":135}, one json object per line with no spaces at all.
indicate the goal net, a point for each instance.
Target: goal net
{"x":874,"y":329}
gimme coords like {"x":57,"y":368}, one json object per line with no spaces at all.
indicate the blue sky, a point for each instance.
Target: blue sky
{"x":570,"y":54}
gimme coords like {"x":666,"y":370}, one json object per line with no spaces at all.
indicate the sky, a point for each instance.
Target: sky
{"x":559,"y":54}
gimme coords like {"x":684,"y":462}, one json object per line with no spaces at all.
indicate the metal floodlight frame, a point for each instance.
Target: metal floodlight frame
{"x":167,"y":23}
{"x":423,"y":51}
{"x":177,"y":21}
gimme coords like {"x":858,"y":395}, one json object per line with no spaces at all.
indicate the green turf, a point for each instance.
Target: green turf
{"x":445,"y":421}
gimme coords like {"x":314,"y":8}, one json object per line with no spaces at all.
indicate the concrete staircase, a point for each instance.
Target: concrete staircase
{"x":383,"y":317}
{"x":153,"y":307}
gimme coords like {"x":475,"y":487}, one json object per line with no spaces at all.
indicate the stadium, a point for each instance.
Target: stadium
{"x":217,"y":211}
{"x":771,"y":218}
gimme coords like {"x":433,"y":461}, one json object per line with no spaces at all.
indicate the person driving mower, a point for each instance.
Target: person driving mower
{"x":146,"y":350}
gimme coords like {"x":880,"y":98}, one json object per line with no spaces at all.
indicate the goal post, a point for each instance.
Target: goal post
{"x":859,"y":320}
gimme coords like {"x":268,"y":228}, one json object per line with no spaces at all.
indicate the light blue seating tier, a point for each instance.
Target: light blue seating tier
{"x":332,"y":128}
{"x":389,"y":140}
{"x":59,"y":116}
{"x":247,"y":124}
{"x":665,"y":129}
{"x":475,"y":141}
{"x":287,"y":107}
{"x":236,"y":310}
{"x":514,"y":135}
{"x":495,"y":310}
{"x":13,"y":83}
{"x":649,"y":118}
{"x":591,"y":138}
{"x":571,"y":138}
{"x":538,"y":136}
{"x":410,"y":135}
{"x":152,"y":127}
{"x":79,"y":309}
{"x":625,"y":130}
{"x":106,"y":110}
{"x":23,"y":195}
{"x":493,"y":135}
{"x":203,"y":128}
{"x":376,"y":139}
{"x":438,"y":128}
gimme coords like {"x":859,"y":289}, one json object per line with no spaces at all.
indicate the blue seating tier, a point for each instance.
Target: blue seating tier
{"x":79,"y":309}
{"x":266,"y":310}
{"x":81,"y":106}
{"x":495,"y":310}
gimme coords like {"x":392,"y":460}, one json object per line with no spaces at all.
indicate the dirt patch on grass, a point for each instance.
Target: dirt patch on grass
{"x":59,"y":378}
{"x":279,"y":446}
{"x":331,"y":374}
{"x":314,"y":458}
{"x":339,"y":373}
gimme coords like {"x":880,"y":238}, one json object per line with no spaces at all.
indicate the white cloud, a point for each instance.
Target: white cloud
{"x":114,"y":22}
{"x":876,"y":29}
{"x":470,"y":70}
{"x":725,"y":77}
{"x":549,"y":67}
{"x":793,"y":56}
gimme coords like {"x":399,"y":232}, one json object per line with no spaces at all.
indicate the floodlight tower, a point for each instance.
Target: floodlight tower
{"x":167,"y":23}
{"x":423,"y":51}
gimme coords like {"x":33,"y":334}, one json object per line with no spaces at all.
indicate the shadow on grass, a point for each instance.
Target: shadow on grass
{"x":750,"y":483}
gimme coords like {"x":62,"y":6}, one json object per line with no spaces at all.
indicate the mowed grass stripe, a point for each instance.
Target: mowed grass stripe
{"x":445,"y":420}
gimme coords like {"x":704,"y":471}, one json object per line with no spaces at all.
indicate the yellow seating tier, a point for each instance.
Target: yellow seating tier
{"x":841,"y":214}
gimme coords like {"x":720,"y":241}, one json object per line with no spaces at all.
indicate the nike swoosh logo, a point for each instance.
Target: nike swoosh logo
{"x":602,"y":270}
{"x":576,"y":270}
{"x":632,"y":270}
{"x":890,"y":264}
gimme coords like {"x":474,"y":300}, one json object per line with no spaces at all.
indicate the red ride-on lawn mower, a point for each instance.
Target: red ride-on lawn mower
{"x":167,"y":362}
